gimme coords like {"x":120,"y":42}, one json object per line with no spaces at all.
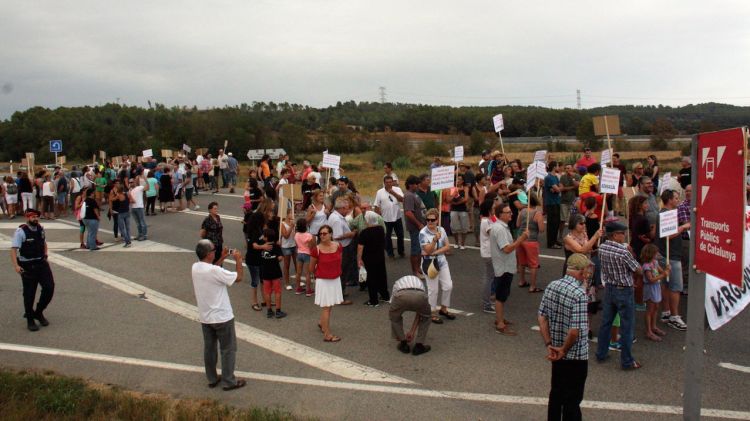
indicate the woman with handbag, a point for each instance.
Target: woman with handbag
{"x":434,"y":242}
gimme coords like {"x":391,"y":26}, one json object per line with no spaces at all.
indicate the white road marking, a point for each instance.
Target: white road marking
{"x":304,"y":354}
{"x":46,"y":225}
{"x":735,"y":367}
{"x":395,"y":390}
{"x":51,"y":245}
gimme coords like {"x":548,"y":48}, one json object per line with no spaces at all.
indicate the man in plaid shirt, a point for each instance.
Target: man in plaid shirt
{"x":563,"y":322}
{"x":618,"y":266}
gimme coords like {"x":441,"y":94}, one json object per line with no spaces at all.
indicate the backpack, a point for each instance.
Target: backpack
{"x":12,"y":188}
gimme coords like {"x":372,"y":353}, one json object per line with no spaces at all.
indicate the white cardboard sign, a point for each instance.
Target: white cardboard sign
{"x":668,"y":223}
{"x":186,"y":148}
{"x":442,"y":177}
{"x":606,"y":156}
{"x":665,"y":179}
{"x":458,"y":153}
{"x":254,"y":154}
{"x":148,"y":152}
{"x":498,"y":122}
{"x":540,"y":155}
{"x":609,"y":181}
{"x":331,"y":161}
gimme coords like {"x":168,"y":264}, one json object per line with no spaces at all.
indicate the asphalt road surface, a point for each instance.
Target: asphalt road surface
{"x":127,"y":317}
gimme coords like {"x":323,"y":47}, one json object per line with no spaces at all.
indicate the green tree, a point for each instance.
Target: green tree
{"x":477,"y":142}
{"x":662,"y":131}
{"x":292,"y":137}
{"x":432,"y":148}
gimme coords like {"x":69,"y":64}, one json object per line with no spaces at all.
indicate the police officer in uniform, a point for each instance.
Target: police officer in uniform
{"x":28,"y":254}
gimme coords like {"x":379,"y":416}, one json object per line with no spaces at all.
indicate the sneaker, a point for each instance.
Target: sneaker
{"x":280,"y":314}
{"x":615,"y":346}
{"x":665,"y":317}
{"x":676,"y":322}
{"x":301,"y":283}
{"x":269,"y":313}
{"x":462,"y":247}
{"x":196,"y":207}
{"x":403,"y":346}
{"x":455,"y":246}
{"x":288,"y":287}
{"x":490,"y":310}
{"x":127,"y":245}
{"x":309,"y":293}
{"x":299,"y":291}
{"x":369,"y":304}
{"x":640,"y":307}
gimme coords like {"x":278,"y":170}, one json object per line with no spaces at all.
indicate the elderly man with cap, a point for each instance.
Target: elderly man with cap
{"x":563,"y":322}
{"x":28,"y":254}
{"x":617,"y":267}
{"x":410,"y":294}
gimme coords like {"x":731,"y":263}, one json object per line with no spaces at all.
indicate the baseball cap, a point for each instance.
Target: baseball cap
{"x":616,"y":226}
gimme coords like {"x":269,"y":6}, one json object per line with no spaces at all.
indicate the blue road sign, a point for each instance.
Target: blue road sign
{"x":55,"y":146}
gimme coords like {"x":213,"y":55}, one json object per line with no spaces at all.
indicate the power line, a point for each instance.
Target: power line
{"x":382,"y":94}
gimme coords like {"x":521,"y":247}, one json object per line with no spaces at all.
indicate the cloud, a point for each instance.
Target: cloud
{"x":321,"y":51}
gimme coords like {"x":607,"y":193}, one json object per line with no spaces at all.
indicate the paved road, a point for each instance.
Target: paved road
{"x":104,"y":328}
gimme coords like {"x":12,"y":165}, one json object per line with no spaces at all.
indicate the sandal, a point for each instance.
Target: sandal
{"x":256,"y":307}
{"x":447,"y":315}
{"x":636,"y":365}
{"x":507,"y":331}
{"x":437,"y":320}
{"x":333,"y":338}
{"x":535,"y":290}
{"x":524,"y":285}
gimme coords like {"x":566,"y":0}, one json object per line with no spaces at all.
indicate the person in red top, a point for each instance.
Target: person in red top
{"x":585,"y":160}
{"x":325,"y":260}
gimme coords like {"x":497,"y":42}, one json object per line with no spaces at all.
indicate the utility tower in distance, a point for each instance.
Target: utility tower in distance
{"x":578,"y":98}
{"x":382,"y":94}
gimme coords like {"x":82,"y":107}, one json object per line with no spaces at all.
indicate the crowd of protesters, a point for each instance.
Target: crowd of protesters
{"x":332,"y":238}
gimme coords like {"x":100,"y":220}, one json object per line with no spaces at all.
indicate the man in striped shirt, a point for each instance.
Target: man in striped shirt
{"x":409,"y":293}
{"x":618,"y":266}
{"x":563,"y":322}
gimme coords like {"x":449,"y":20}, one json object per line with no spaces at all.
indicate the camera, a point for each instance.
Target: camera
{"x":231,"y":251}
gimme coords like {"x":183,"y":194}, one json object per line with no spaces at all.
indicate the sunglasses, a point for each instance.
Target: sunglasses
{"x":431,"y":219}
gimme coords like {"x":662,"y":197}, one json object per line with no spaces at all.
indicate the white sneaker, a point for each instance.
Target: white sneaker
{"x":676,"y":322}
{"x":455,"y":246}
{"x":301,"y":283}
{"x":196,"y":207}
{"x":665,"y":316}
{"x":288,"y":287}
{"x":462,"y":247}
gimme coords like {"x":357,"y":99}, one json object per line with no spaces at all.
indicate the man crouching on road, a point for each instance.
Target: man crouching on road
{"x":215,"y":312}
{"x":563,"y":323}
{"x":410,"y":294}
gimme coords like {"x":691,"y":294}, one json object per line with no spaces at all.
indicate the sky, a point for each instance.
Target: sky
{"x":318,"y":52}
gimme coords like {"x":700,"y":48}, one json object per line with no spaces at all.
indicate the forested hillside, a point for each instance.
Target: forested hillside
{"x":344,"y":127}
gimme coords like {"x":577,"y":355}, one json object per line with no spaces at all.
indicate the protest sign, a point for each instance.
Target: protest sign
{"x":606,"y":125}
{"x":254,"y":154}
{"x":331,"y":161}
{"x":668,"y":224}
{"x":442,"y":177}
{"x":102,"y":155}
{"x":664,"y":182}
{"x":609,"y":180}
{"x":166,"y":153}
{"x":148,"y":153}
{"x":540,"y":155}
{"x":458,"y":153}
{"x":186,"y":148}
{"x":498,"y":122}
{"x":606,"y":157}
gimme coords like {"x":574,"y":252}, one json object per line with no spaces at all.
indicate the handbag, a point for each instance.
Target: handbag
{"x":430,"y":266}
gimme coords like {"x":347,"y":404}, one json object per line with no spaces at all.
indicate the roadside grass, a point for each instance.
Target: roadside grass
{"x":26,"y":395}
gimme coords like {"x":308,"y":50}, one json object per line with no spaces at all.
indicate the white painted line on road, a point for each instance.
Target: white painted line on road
{"x":46,"y":225}
{"x":302,"y":353}
{"x":223,"y":216}
{"x":395,"y":390}
{"x":735,"y":367}
{"x":51,"y":245}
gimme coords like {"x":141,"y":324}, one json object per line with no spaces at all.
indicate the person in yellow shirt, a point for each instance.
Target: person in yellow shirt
{"x":590,"y":181}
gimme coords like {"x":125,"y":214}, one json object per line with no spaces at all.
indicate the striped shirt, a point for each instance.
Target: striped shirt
{"x":683,"y":216}
{"x":564,"y":305}
{"x":407,"y":282}
{"x":618,"y":264}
